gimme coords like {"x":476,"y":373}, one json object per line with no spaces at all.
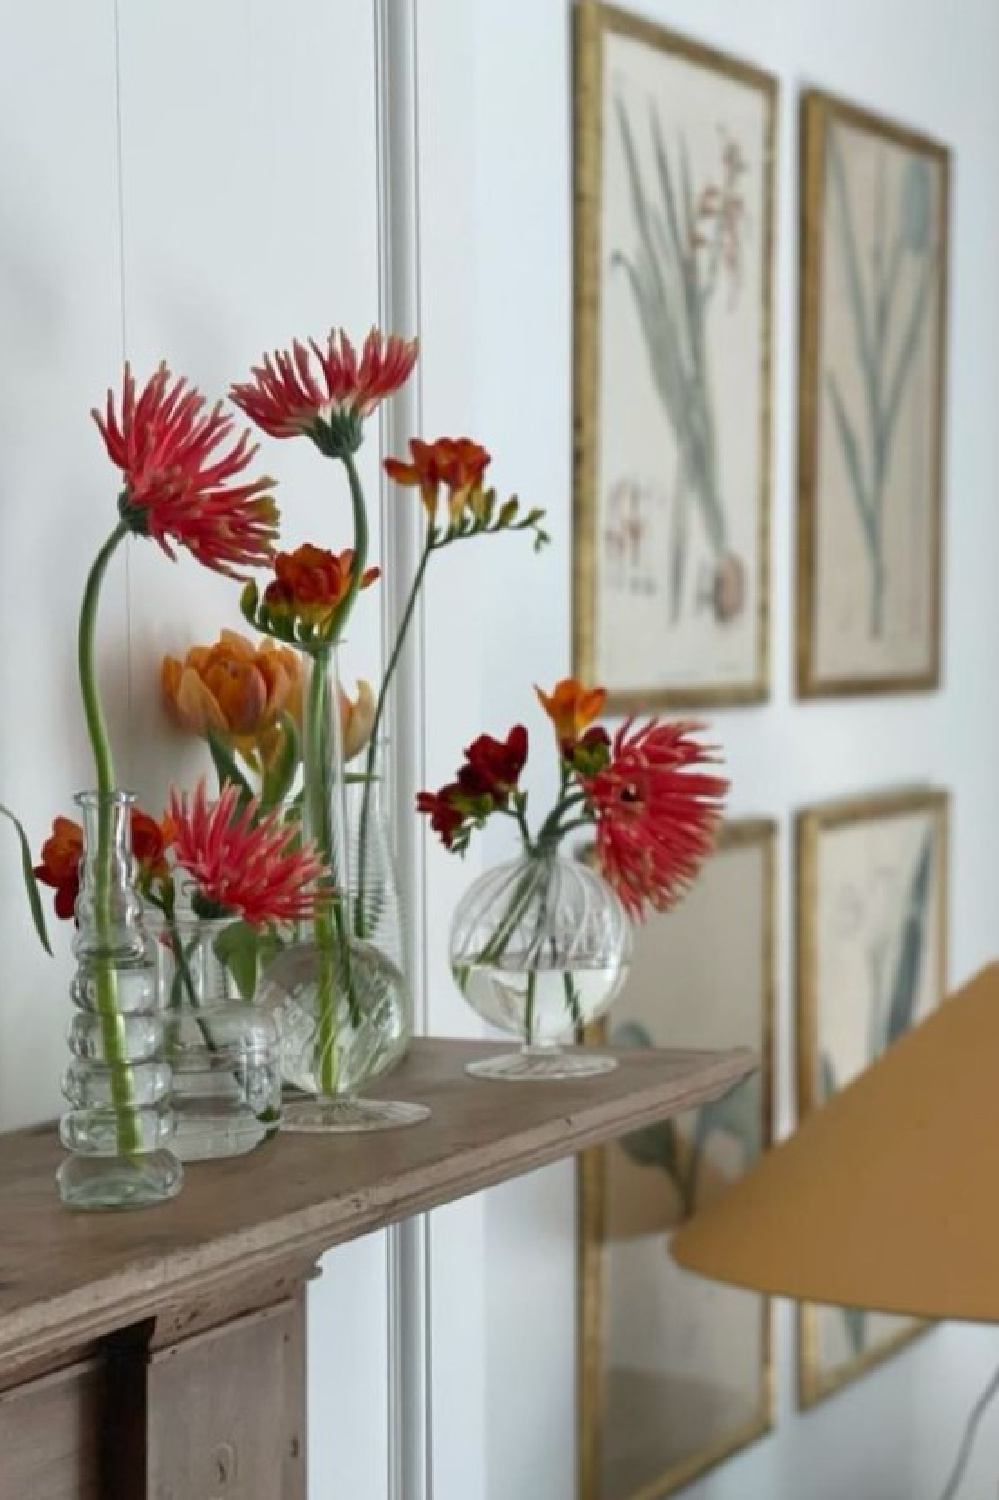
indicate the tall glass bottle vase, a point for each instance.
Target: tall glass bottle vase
{"x":341,"y":1000}
{"x":119,"y":1125}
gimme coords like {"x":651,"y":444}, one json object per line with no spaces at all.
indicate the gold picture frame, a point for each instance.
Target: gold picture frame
{"x":872,"y":880}
{"x":683,"y":560}
{"x":874,"y":292}
{"x":729,"y":1312}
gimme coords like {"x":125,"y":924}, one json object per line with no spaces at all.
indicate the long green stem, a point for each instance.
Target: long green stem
{"x":360,"y":905}
{"x":112,"y":1024}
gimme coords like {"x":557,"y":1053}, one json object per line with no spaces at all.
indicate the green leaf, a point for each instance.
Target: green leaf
{"x":738,"y":1114}
{"x":239,"y":948}
{"x":226,"y":768}
{"x":909,"y":964}
{"x":851,"y":456}
{"x":281,"y":772}
{"x":855,"y":1321}
{"x":30,"y":883}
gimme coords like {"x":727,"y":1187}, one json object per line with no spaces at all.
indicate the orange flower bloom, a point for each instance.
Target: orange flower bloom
{"x":62,"y":852}
{"x":311,"y":583}
{"x":285,"y":398}
{"x":357,"y":718}
{"x":60,"y":864}
{"x":234,"y":689}
{"x":457,"y":463}
{"x":572,"y":708}
{"x":177,"y":481}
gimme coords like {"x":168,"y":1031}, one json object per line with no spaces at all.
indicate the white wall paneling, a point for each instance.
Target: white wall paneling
{"x":203,"y":182}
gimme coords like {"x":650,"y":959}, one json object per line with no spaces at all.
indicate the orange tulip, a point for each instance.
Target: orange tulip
{"x":357,"y":718}
{"x":234,"y":689}
{"x":571,"y":708}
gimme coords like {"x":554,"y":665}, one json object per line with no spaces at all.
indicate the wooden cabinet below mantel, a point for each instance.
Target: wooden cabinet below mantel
{"x":159,"y":1355}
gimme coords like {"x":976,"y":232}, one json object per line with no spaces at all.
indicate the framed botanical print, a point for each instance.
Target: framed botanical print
{"x":871,"y":403}
{"x":871,"y":962}
{"x":674,"y":210}
{"x":676,"y":1370}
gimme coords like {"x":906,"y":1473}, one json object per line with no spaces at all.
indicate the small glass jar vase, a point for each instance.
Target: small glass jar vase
{"x":339,"y":996}
{"x":540,"y":947}
{"x":119,"y":1126}
{"x":224,"y":1050}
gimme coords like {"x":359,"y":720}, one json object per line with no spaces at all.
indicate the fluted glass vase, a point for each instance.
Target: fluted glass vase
{"x":119,"y":1127}
{"x":223,"y":1048}
{"x":339,"y":995}
{"x":540,"y":947}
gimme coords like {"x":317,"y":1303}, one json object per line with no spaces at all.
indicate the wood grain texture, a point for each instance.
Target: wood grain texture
{"x":69,"y":1278}
{"x":49,"y":1437}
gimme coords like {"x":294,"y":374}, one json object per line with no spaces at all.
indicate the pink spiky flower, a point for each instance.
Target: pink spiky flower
{"x":178,"y":464}
{"x":285,"y":396}
{"x":656,"y":817}
{"x":245,"y":863}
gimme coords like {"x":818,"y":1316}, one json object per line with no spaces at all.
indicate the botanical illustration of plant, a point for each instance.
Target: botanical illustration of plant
{"x":680,"y":1152}
{"x":890,"y":285}
{"x":687,"y":239}
{"x":896,"y":928}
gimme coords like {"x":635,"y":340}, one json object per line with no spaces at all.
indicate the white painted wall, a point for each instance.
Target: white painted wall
{"x":199,"y":182}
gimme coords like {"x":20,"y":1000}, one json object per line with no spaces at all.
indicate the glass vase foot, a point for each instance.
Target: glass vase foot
{"x":350,"y":1116}
{"x":541,"y":1065}
{"x":116,"y":1182}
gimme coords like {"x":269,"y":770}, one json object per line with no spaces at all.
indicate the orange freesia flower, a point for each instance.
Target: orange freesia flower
{"x":311,"y":583}
{"x":245,"y":863}
{"x":60,"y":864}
{"x":62,"y":852}
{"x":177,"y":464}
{"x":234,"y":689}
{"x":286,"y":398}
{"x":457,"y":463}
{"x":571,"y":707}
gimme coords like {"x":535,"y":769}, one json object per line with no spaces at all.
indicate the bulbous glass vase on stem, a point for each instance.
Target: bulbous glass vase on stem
{"x":340,"y":997}
{"x":119,"y":1126}
{"x":540,"y":947}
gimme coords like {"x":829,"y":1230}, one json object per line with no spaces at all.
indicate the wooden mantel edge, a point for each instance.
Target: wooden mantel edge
{"x":77,"y":1318}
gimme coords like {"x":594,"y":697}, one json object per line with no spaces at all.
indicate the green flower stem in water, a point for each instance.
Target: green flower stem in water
{"x":360,"y":906}
{"x":330,"y":926}
{"x":112,"y":1023}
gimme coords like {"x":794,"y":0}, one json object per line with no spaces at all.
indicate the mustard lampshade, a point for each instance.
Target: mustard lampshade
{"x":888,"y":1197}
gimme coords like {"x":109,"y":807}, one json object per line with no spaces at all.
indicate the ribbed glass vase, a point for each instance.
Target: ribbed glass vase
{"x":540,"y":947}
{"x":339,"y":995}
{"x":119,"y":1126}
{"x":224,"y":1050}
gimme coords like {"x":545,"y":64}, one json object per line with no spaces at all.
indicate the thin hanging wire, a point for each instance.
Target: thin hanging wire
{"x":975,"y":1416}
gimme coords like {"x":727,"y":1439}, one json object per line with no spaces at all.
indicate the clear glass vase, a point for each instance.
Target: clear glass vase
{"x":540,"y":947}
{"x":224,"y":1050}
{"x":339,"y":995}
{"x":119,"y":1127}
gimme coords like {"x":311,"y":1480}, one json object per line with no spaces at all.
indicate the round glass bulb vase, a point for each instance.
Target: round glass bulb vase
{"x":340,"y":997}
{"x":539,"y":948}
{"x":224,"y":1050}
{"x":119,"y":1126}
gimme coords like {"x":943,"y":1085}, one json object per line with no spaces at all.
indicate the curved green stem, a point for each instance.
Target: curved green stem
{"x":112,"y":1024}
{"x":360,"y":905}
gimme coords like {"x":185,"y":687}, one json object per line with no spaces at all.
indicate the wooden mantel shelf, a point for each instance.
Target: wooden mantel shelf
{"x":76,"y":1290}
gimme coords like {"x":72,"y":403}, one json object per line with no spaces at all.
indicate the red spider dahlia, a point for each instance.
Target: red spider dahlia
{"x":655,"y":816}
{"x":177,"y":463}
{"x":285,"y":397}
{"x":244,"y":863}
